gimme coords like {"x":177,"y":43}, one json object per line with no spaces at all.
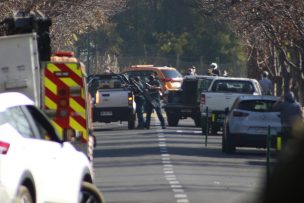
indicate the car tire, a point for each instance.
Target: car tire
{"x":24,"y":195}
{"x":131,"y":122}
{"x":90,"y":193}
{"x":172,"y":119}
{"x":227,"y":144}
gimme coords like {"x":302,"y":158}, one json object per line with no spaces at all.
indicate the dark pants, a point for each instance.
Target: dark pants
{"x":139,"y":111}
{"x":149,"y":109}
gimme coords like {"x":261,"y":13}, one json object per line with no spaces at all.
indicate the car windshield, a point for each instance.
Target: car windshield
{"x":256,"y":105}
{"x":171,"y":73}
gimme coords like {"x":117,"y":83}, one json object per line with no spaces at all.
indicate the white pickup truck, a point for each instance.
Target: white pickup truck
{"x":220,"y":96}
{"x":113,"y":99}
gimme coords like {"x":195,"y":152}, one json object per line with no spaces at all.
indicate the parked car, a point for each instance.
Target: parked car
{"x":35,"y":165}
{"x":246,"y":124}
{"x":170,"y":78}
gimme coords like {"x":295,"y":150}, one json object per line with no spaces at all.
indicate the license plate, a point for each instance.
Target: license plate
{"x":186,"y":110}
{"x":106,"y":113}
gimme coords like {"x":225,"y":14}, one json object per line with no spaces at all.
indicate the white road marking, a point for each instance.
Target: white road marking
{"x":182,"y":201}
{"x":168,"y":171}
{"x":180,"y":196}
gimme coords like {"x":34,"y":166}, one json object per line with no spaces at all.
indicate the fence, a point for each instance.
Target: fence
{"x":99,"y":64}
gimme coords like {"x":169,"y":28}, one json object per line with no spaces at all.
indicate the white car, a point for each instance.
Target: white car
{"x":248,"y":121}
{"x":35,"y":166}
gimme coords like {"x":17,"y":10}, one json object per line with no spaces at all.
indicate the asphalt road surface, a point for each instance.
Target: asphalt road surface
{"x":173,"y":166}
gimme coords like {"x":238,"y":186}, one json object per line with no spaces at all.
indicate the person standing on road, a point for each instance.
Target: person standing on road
{"x":154,"y":87}
{"x":291,"y":113}
{"x":266,"y":84}
{"x":139,"y":100}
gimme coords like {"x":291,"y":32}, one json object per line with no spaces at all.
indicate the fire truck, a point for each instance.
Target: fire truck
{"x":55,"y":81}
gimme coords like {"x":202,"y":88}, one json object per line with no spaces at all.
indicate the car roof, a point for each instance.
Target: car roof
{"x":199,"y":77}
{"x":12,"y":99}
{"x":257,"y":97}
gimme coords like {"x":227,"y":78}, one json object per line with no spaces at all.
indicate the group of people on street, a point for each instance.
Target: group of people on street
{"x":213,"y":70}
{"x":153,"y":88}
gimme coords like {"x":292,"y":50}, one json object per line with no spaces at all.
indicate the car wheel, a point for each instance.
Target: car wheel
{"x":131,"y":122}
{"x":90,"y":194}
{"x":172,"y":119}
{"x":24,"y":195}
{"x":229,"y":146}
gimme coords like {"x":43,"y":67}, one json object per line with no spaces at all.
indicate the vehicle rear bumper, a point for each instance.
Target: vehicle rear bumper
{"x":254,"y":140}
{"x":182,"y":111}
{"x":112,"y":114}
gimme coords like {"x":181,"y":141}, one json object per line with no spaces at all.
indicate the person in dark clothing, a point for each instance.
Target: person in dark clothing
{"x":154,"y":87}
{"x":214,"y":69}
{"x":291,"y":113}
{"x":140,"y":101}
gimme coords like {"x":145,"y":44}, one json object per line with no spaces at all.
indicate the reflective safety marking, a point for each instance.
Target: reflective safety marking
{"x":50,"y":104}
{"x":51,"y":86}
{"x":69,"y":82}
{"x":75,"y":125}
{"x":77,"y":108}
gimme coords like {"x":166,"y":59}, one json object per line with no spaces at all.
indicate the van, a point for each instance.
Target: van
{"x":170,"y":78}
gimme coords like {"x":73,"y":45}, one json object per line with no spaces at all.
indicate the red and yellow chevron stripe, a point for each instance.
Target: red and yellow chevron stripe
{"x":64,"y":93}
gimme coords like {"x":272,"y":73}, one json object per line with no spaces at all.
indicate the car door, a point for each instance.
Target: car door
{"x":46,"y":158}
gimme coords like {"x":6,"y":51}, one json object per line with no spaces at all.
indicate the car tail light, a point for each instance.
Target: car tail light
{"x":167,"y":80}
{"x":203,"y":99}
{"x":130,"y":99}
{"x":4,"y":146}
{"x":240,"y":114}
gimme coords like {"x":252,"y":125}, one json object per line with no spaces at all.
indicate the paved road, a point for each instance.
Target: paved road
{"x":172,"y":166}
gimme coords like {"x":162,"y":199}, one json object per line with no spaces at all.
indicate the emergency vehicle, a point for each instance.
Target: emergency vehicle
{"x":57,"y":86}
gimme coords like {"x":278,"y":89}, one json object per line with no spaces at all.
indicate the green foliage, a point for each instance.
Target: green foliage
{"x":169,"y":28}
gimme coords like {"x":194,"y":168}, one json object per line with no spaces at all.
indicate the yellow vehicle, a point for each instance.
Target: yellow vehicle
{"x":170,"y":78}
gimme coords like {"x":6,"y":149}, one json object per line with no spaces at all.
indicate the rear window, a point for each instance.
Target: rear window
{"x":237,"y":86}
{"x":256,"y":105}
{"x":171,"y":74}
{"x":108,"y":82}
{"x":204,"y":84}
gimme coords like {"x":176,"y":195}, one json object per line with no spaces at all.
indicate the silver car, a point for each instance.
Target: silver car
{"x":248,"y":122}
